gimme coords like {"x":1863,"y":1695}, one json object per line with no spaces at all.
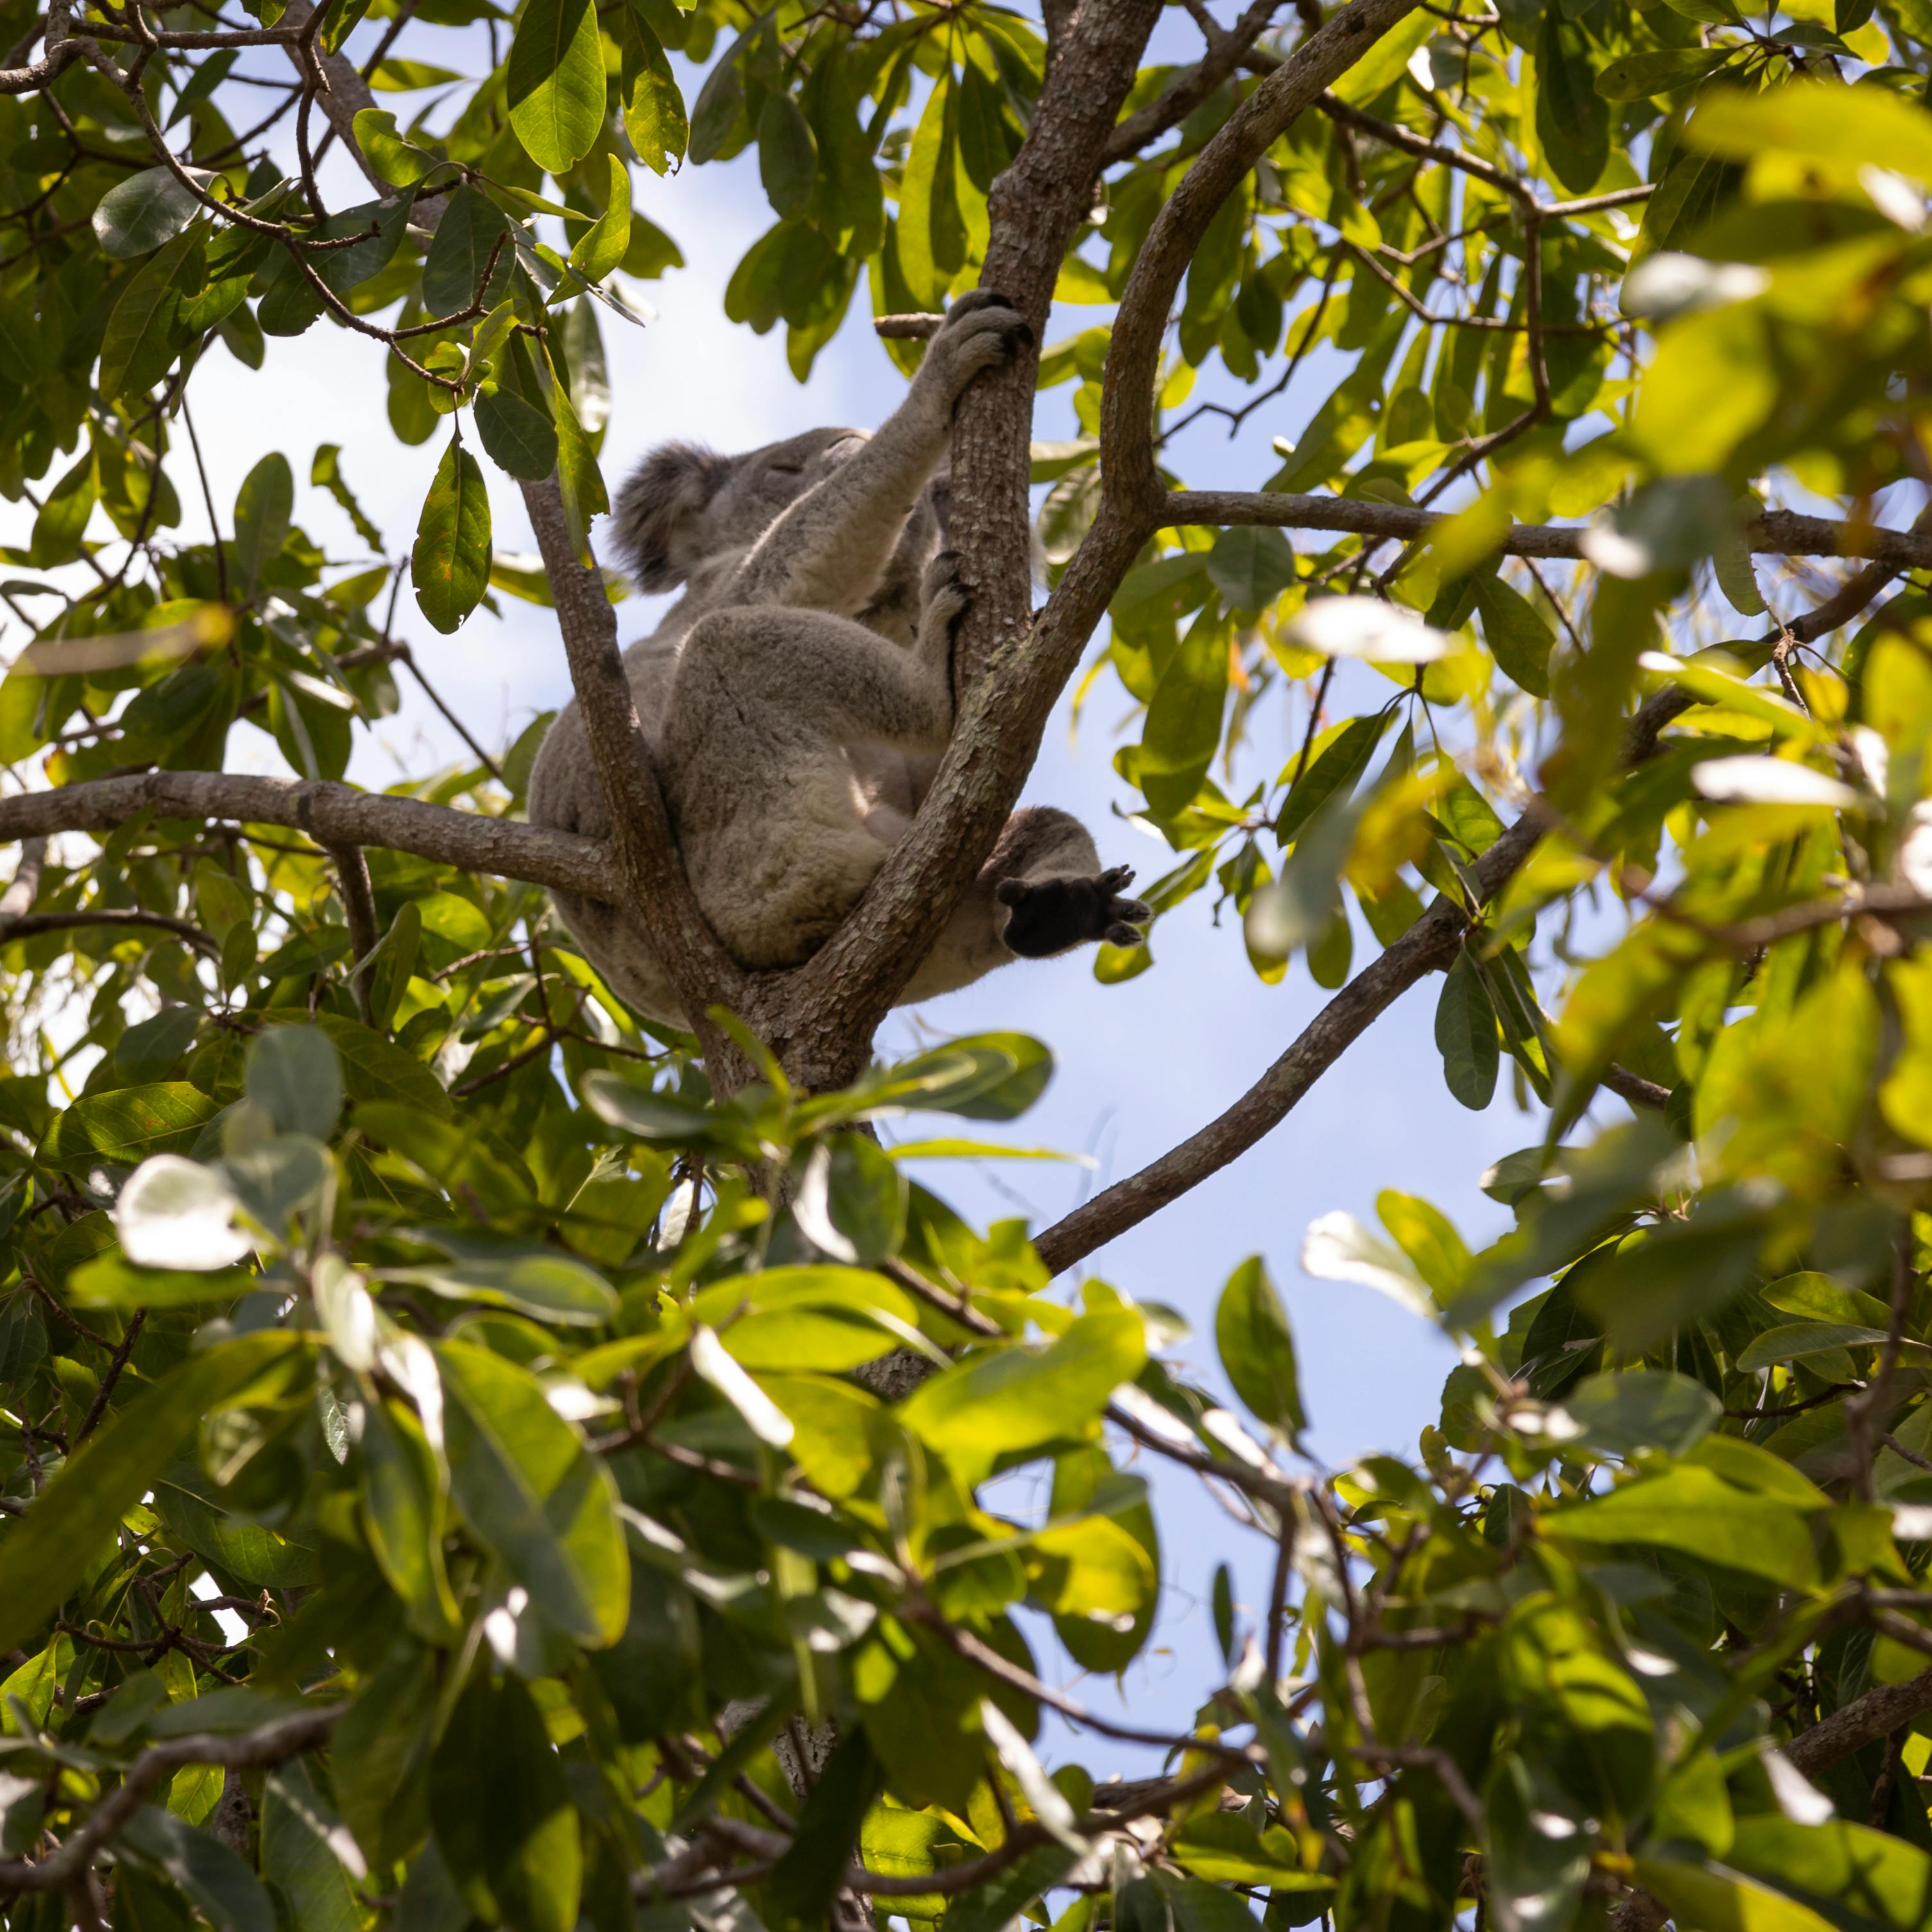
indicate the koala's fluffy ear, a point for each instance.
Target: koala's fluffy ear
{"x":656,"y":528}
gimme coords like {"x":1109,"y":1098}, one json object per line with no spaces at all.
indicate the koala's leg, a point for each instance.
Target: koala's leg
{"x":828,"y":550}
{"x":1041,"y":891}
{"x":780,"y":833}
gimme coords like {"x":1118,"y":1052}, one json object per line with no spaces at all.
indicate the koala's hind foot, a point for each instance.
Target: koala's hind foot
{"x":983,"y":330}
{"x":1046,"y":916}
{"x":943,"y":598}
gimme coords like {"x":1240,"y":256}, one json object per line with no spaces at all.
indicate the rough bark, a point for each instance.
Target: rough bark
{"x":331,"y":815}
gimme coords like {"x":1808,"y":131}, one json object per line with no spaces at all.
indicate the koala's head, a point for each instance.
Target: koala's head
{"x":684,"y":503}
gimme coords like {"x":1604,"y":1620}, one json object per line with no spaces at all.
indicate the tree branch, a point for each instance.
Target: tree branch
{"x":1132,"y":486}
{"x":1034,"y":208}
{"x":331,"y":815}
{"x":1776,"y":533}
{"x":1428,"y":945}
{"x":654,"y":889}
{"x":271,"y":1744}
{"x":30,"y":923}
{"x":1192,"y":86}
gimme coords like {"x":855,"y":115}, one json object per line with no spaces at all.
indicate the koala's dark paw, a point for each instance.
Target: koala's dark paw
{"x":1047,"y":915}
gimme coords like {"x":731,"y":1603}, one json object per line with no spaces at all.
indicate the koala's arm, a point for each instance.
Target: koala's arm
{"x":827,"y":552}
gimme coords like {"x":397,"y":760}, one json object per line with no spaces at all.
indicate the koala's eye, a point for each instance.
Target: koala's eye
{"x":788,"y":468}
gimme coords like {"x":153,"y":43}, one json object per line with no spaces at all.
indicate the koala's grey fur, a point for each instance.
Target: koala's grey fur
{"x":799,"y":695}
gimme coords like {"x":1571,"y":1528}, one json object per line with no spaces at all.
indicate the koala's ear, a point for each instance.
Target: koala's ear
{"x":656,"y":526}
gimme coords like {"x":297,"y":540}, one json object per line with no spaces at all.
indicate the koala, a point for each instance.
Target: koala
{"x":798,"y":698}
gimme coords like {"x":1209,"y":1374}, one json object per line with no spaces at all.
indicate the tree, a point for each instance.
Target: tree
{"x":469,"y":1456}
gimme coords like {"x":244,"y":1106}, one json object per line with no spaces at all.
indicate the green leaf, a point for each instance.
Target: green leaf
{"x":1794,"y":1341}
{"x":502,"y":1811}
{"x":136,"y":216}
{"x":466,"y":236}
{"x":1183,"y":730}
{"x":72,"y":1524}
{"x":303,"y":1845}
{"x":63,"y":515}
{"x":1883,"y":1880}
{"x":984,"y":1076}
{"x":144,"y":334}
{"x":399,"y":161}
{"x":402,"y":1514}
{"x":1709,"y":1897}
{"x":220,"y":1887}
{"x":1008,"y":1399}
{"x":799,"y":1892}
{"x":601,"y":246}
{"x":1518,"y":638}
{"x":379,"y":1755}
{"x":555,"y":82}
{"x":1539,"y":1857}
{"x":1572,"y":119}
{"x":262,"y":509}
{"x":374,"y":1070}
{"x":994,"y":1906}
{"x":450,"y":561}
{"x":1257,"y":1348}
{"x":1644,"y":1408}
{"x":1337,"y":768}
{"x":1251,"y":566}
{"x":922,"y":196}
{"x":111,"y":1281}
{"x":719,"y":102}
{"x":1663,"y":70}
{"x":520,"y":439}
{"x":1465,"y":1035}
{"x":292,"y":1072}
{"x":127,"y":1125}
{"x":788,"y":155}
{"x":654,"y":116}
{"x":1695,"y":1512}
{"x":325,"y":472}
{"x":529,"y":1489}
{"x":551,"y":1286}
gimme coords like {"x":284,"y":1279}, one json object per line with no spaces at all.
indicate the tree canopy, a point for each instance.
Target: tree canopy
{"x":467,"y":1455}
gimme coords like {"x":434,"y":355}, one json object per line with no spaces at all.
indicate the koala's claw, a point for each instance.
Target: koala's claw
{"x":943,"y":598}
{"x":1048,"y":915}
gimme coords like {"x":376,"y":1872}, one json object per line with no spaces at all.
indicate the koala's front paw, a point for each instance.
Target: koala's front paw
{"x":982,"y":330}
{"x":943,"y":598}
{"x":1048,"y":915}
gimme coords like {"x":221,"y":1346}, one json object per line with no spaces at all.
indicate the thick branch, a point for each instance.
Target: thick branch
{"x":1863,"y":1721}
{"x":1428,"y":945}
{"x":271,"y":1744}
{"x":1776,"y":533}
{"x":331,"y":815}
{"x":1034,"y":208}
{"x":655,"y":889}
